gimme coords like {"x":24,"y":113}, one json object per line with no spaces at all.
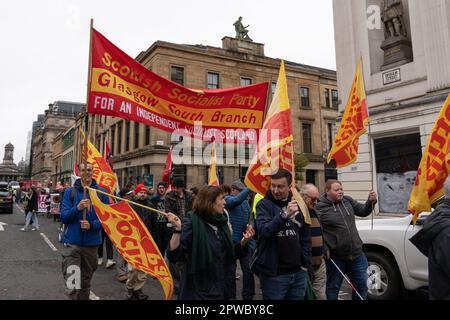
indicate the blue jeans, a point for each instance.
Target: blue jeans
{"x":31,"y":218}
{"x":284,"y":287}
{"x":356,"y":271}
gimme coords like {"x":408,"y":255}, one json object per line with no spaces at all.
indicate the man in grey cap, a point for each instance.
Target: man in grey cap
{"x":239,"y":214}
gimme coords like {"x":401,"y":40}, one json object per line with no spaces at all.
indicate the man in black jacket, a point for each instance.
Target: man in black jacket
{"x":179,"y":202}
{"x":31,"y":211}
{"x":337,"y":215}
{"x":434,"y":242}
{"x":284,"y":243}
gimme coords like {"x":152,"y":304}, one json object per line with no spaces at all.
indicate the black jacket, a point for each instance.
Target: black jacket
{"x":32,"y":204}
{"x":269,"y":223}
{"x":434,"y":242}
{"x":339,"y":228}
{"x":171,"y":203}
{"x":188,"y":289}
{"x":147,"y":216}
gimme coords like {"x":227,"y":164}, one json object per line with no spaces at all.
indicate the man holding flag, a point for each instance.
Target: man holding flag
{"x":284,"y":247}
{"x":84,"y":236}
{"x":337,"y":212}
{"x":434,"y":239}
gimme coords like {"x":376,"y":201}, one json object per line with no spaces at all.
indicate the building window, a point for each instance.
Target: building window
{"x":246,"y":81}
{"x":213,"y":80}
{"x":273,"y":87}
{"x":304,"y":97}
{"x":179,"y":171}
{"x":119,"y":138}
{"x":397,"y":160}
{"x":311,"y":176}
{"x":327,"y":98}
{"x":177,"y":75}
{"x":136,"y":135}
{"x":147,"y":135}
{"x":113,"y":132}
{"x":127,"y":136}
{"x":334,"y":99}
{"x":329,"y":136}
{"x":306,"y":136}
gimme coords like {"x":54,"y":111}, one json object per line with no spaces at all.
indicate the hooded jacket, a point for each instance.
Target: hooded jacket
{"x":71,"y":217}
{"x":339,"y":228}
{"x":434,"y":242}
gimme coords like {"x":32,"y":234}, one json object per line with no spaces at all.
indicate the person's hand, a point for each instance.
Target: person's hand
{"x":247,"y":235}
{"x":174,"y":220}
{"x":372,"y":196}
{"x":292,"y":208}
{"x":84,"y":204}
{"x":326,"y":255}
{"x":85,"y":225}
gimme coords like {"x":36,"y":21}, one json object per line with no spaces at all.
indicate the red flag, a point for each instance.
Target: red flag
{"x":107,"y":154}
{"x":168,"y":168}
{"x":75,"y":169}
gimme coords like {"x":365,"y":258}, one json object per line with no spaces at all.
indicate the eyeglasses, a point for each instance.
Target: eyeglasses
{"x":313,"y":199}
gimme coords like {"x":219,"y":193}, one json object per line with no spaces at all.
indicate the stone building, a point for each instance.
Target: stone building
{"x":138,"y":149}
{"x":405,"y":47}
{"x":57,"y":119}
{"x":9,"y":171}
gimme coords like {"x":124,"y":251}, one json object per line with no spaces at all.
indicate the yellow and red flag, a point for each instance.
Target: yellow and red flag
{"x":434,"y":166}
{"x":213,"y":180}
{"x":133,"y":241}
{"x":101,"y":171}
{"x":275,"y":145}
{"x":345,"y":147}
{"x":122,"y":87}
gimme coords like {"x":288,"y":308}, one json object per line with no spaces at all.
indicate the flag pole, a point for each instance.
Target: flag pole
{"x":86,"y":124}
{"x":369,"y":136}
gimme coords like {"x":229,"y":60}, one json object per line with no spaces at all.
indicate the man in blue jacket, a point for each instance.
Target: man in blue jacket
{"x":84,"y":236}
{"x":284,"y":243}
{"x":239,"y":212}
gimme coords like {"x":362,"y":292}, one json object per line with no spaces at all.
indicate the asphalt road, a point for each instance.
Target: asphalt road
{"x":31,"y":266}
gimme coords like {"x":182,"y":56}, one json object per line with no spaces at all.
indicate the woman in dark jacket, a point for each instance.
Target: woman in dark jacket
{"x":31,"y":210}
{"x":204,"y":242}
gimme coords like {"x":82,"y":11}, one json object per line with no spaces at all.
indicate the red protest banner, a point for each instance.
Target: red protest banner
{"x":122,"y":87}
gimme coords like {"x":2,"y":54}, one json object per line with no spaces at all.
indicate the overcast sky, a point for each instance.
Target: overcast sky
{"x":44,"y":44}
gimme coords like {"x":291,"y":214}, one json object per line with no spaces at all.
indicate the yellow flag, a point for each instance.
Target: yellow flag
{"x":275,"y":146}
{"x":345,"y":147}
{"x":132,"y":239}
{"x":434,"y":166}
{"x":213,"y":180}
{"x":101,"y":170}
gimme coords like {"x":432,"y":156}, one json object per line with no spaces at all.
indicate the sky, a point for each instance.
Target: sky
{"x":45,"y":44}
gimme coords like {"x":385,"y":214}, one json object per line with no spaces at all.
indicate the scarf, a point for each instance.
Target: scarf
{"x":202,"y":264}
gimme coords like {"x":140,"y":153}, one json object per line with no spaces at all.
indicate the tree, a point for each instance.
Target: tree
{"x":300,"y":161}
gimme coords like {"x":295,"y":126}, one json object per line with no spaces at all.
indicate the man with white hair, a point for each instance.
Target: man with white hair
{"x":319,"y":250}
{"x":434,"y":242}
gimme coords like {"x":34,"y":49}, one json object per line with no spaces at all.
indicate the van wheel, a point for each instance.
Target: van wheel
{"x":384,"y":280}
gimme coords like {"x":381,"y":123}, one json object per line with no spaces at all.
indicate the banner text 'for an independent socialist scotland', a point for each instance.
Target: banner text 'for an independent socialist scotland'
{"x":122,"y":87}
